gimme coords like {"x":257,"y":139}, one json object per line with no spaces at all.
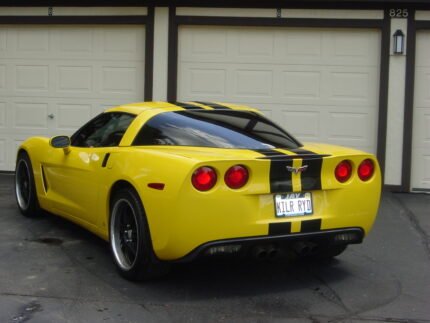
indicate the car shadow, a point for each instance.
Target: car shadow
{"x":205,"y":278}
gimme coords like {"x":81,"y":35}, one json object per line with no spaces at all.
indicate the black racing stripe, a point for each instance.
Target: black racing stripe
{"x":186,"y":105}
{"x":311,"y":226}
{"x":301,"y":151}
{"x":269,"y":152}
{"x":105,"y":160}
{"x":280,"y":179}
{"x":213,"y":105}
{"x":311,"y":177}
{"x":279,"y":228}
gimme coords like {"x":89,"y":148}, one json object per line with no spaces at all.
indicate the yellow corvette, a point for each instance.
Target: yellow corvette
{"x":165,"y":182}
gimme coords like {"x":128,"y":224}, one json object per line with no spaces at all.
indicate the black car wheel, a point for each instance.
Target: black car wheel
{"x":130,"y":240}
{"x":25,"y":189}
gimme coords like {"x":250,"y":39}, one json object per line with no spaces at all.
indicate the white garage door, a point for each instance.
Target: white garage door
{"x":54,"y":78}
{"x":420,"y":178}
{"x":320,"y":84}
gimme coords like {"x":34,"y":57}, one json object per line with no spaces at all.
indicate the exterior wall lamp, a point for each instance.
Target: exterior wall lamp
{"x":398,"y":42}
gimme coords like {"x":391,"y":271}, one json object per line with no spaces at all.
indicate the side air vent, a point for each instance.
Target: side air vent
{"x":44,"y":181}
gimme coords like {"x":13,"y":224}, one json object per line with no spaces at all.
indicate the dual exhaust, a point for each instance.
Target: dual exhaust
{"x":263,"y":252}
{"x":299,"y":248}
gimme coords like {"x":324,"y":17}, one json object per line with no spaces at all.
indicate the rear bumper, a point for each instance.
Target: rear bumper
{"x":338,"y":236}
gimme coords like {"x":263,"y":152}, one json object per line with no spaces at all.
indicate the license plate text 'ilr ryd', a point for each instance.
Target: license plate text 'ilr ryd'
{"x":293,"y":204}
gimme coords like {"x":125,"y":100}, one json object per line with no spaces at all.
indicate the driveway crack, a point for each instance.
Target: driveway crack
{"x":425,"y":239}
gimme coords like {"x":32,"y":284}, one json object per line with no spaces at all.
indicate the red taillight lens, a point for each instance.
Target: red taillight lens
{"x":204,"y":178}
{"x":366,"y":169}
{"x":343,"y":171}
{"x":236,"y":176}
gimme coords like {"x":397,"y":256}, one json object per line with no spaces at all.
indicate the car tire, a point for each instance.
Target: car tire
{"x":130,"y":239}
{"x":25,"y":188}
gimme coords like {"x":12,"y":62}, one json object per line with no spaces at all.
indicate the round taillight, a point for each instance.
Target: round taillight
{"x":204,"y":178}
{"x":343,"y":171}
{"x":236,"y":176}
{"x":366,"y":169}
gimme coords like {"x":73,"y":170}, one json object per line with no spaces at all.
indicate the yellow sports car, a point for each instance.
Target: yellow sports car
{"x":166,"y":182}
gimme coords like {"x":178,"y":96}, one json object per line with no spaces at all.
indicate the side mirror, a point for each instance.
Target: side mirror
{"x":61,"y":142}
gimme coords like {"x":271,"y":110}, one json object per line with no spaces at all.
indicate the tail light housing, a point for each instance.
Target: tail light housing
{"x":204,"y":178}
{"x":343,"y":171}
{"x":366,"y":169}
{"x":236,"y":176}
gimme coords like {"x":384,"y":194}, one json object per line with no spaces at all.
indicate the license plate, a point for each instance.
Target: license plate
{"x":293,"y":204}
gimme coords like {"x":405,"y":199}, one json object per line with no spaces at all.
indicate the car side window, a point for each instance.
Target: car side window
{"x":105,"y":130}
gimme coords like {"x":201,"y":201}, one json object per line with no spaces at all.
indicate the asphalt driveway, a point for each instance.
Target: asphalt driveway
{"x":53,"y":271}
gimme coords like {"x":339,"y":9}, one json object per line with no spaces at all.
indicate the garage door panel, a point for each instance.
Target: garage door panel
{"x":359,"y":48}
{"x":321,"y":84}
{"x":296,"y":84}
{"x":3,"y":35}
{"x":301,"y":84}
{"x":303,"y":124}
{"x":350,"y":86}
{"x":31,"y":77}
{"x":74,"y":79}
{"x":2,"y":115}
{"x":54,"y":78}
{"x":302,"y":44}
{"x":355,"y":44}
{"x":118,"y":42}
{"x":422,"y":50}
{"x":31,"y":116}
{"x":420,"y":173}
{"x":256,"y":83}
{"x":204,"y":81}
{"x":76,"y":42}
{"x":121,"y":80}
{"x":71,"y":116}
{"x":348,"y":126}
{"x":422,"y":93}
{"x":422,"y":126}
{"x":247,"y":45}
{"x":200,"y":43}
{"x":425,"y":179}
{"x":30,"y":41}
{"x":3,"y":69}
{"x":3,"y":150}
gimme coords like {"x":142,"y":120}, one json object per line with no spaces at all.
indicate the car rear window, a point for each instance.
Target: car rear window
{"x":214,"y":128}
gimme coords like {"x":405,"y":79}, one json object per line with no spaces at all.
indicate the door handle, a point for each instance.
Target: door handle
{"x":51,"y":116}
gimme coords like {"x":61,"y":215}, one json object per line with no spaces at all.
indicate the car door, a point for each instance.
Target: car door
{"x":76,"y":175}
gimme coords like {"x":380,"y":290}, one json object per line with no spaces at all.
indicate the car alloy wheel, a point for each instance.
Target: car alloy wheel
{"x":23,"y":184}
{"x":124,"y":234}
{"x":25,"y":189}
{"x":130,"y":239}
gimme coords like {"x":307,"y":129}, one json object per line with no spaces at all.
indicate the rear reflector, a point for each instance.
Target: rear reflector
{"x":347,"y":237}
{"x":227,"y":249}
{"x":156,"y":186}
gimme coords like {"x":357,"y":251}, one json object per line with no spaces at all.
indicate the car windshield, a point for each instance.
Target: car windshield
{"x":214,"y":128}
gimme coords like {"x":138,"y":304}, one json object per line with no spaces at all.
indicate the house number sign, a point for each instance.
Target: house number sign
{"x":399,"y":13}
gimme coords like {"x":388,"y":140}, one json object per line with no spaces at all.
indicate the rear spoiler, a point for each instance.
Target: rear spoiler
{"x":298,"y":156}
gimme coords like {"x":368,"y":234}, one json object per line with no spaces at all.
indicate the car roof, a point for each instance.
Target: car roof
{"x":164,"y":106}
